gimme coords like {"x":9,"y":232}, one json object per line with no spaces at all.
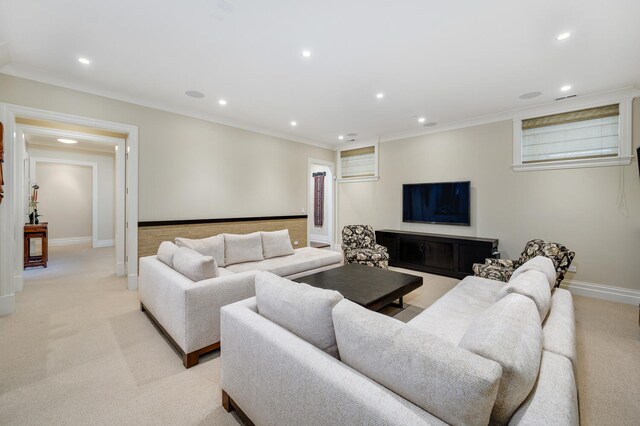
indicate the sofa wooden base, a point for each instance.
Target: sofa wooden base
{"x":230,"y":405}
{"x":190,"y":359}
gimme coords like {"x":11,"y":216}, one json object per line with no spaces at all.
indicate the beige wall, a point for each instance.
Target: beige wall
{"x":190,"y":168}
{"x":577,"y":207}
{"x":106,"y":182}
{"x":65,"y":199}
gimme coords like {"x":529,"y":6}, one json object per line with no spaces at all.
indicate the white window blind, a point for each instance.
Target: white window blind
{"x":358,"y":163}
{"x":588,"y":133}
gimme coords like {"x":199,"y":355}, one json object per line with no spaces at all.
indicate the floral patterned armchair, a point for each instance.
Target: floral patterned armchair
{"x":502,"y":269}
{"x":359,"y":246}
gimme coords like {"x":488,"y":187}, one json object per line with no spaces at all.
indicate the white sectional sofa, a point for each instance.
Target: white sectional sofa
{"x":215,"y":272}
{"x":487,"y":352}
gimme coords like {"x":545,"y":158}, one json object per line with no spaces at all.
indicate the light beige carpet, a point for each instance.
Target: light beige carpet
{"x":79,"y":351}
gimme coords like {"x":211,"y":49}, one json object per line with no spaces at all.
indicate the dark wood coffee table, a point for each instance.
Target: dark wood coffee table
{"x":373,"y":288}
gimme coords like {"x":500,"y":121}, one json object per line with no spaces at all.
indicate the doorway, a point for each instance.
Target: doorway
{"x":321,"y":203}
{"x":122,"y":138}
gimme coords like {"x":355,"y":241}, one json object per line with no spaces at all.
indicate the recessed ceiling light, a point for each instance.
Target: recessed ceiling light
{"x":563,"y":36}
{"x":341,"y":137}
{"x":194,"y":94}
{"x":69,"y":141}
{"x":84,"y":61}
{"x":222,"y":102}
{"x":380,"y":95}
{"x":421,"y":120}
{"x":565,"y":88}
{"x":294,"y":124}
{"x":306,"y":53}
{"x":530,"y":95}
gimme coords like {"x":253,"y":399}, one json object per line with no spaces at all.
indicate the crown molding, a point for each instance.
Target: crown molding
{"x":545,"y":108}
{"x":41,"y":76}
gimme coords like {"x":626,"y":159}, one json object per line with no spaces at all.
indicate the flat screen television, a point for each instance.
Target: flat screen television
{"x":443,"y":202}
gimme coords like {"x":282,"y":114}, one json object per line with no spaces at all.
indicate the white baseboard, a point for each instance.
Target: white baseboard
{"x":320,"y":239}
{"x":601,"y":291}
{"x":7,"y":304}
{"x":18,"y":283}
{"x":69,"y":241}
{"x":120,"y":269}
{"x":103,"y":243}
{"x":132,"y":282}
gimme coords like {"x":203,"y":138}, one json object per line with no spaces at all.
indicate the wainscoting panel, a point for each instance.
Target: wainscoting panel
{"x":151,"y":234}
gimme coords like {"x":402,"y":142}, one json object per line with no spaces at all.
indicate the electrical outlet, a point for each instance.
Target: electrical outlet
{"x":295,"y":243}
{"x":572,"y":268}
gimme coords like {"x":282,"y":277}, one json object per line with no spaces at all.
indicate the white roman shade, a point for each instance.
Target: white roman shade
{"x":587,"y":133}
{"x":358,"y":163}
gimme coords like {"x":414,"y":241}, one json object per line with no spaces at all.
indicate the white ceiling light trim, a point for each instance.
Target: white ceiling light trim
{"x":563,"y":36}
{"x":294,"y":123}
{"x":421,"y":120}
{"x":306,"y":53}
{"x":84,"y":60}
{"x":222,"y":102}
{"x":565,"y":88}
{"x":379,"y":95}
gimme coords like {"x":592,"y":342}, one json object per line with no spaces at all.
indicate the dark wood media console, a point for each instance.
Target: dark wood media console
{"x":448,"y":255}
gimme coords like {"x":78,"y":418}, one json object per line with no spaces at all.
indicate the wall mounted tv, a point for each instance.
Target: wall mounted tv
{"x":444,"y":202}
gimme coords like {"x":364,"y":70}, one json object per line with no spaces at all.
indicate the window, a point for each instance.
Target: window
{"x":359,"y":163}
{"x":593,"y":136}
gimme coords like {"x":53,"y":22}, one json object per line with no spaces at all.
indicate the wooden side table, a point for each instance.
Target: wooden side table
{"x":36,"y":231}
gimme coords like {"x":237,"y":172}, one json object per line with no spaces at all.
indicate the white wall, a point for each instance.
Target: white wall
{"x":190,"y":168}
{"x":576,"y":207}
{"x":106,"y":182}
{"x":65,"y":199}
{"x":321,"y":234}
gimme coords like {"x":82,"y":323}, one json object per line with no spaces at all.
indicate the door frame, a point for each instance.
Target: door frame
{"x":11,"y":220}
{"x":334,"y":208}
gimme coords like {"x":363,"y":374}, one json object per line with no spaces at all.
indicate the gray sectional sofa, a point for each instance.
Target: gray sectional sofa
{"x":183,"y":287}
{"x":487,"y":352}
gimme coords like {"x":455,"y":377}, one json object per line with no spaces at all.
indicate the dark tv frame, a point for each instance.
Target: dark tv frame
{"x":438,"y":223}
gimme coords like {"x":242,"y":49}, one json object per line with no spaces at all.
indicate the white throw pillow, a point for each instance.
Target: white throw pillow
{"x":299,"y":308}
{"x":451,"y":383}
{"x":193,"y":265}
{"x":538,"y":263}
{"x":211,"y":246}
{"x":166,"y":251}
{"x":534,"y":285}
{"x":242,"y":248}
{"x":276,"y":243}
{"x":509,"y":333}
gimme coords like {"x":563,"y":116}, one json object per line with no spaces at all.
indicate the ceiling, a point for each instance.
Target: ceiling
{"x":84,"y":145}
{"x":444,"y":61}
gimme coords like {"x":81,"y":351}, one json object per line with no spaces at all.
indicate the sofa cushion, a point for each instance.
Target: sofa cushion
{"x":193,"y":265}
{"x":559,"y":329}
{"x":538,"y":263}
{"x":300,"y":308}
{"x":450,"y":316}
{"x":242,"y":248}
{"x":303,"y":259}
{"x":534,"y":285}
{"x":449,"y":382}
{"x":554,"y":399}
{"x":276,"y":243}
{"x":509,"y":333}
{"x":212,"y":246}
{"x":166,"y":251}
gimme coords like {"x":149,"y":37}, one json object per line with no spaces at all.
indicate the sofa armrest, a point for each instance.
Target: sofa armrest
{"x":203,"y":301}
{"x":277,"y":378}
{"x":378,"y":247}
{"x":508,"y":263}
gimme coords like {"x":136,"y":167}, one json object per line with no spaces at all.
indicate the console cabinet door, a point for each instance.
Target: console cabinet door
{"x":438,"y":255}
